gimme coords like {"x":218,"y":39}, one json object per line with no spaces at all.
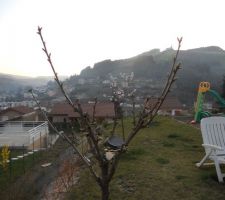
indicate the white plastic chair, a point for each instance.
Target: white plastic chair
{"x":213,"y":134}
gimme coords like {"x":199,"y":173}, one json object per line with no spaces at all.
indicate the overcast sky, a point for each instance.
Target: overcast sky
{"x":80,"y":33}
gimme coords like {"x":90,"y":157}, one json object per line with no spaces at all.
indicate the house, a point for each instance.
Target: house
{"x":171,"y":106}
{"x":81,"y":81}
{"x":63,"y":112}
{"x":22,"y":113}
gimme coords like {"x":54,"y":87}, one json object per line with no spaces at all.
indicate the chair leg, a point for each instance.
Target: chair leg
{"x":199,"y":164}
{"x":218,"y":170}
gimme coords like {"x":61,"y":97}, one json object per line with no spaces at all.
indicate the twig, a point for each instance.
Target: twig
{"x":77,"y":108}
{"x":51,"y":64}
{"x":60,"y":84}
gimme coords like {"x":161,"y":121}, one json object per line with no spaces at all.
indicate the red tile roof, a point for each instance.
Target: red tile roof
{"x":169,"y":103}
{"x":105,"y":109}
{"x":20,"y":109}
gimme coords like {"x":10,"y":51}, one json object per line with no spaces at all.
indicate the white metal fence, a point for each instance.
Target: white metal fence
{"x":22,"y":133}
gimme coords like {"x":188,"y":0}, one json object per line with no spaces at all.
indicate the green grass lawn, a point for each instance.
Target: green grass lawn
{"x":18,"y":177}
{"x":16,"y":168}
{"x":159,"y":164}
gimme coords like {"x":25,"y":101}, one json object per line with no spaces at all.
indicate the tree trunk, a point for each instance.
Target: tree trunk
{"x":105,"y":191}
{"x":105,"y":181}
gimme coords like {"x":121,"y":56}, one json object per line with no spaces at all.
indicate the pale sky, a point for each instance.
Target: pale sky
{"x":80,"y":33}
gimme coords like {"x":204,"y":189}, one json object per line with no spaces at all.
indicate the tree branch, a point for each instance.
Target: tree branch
{"x":60,"y":133}
{"x":153,"y":112}
{"x":76,"y":109}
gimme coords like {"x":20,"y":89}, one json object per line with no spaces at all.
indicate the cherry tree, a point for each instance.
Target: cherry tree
{"x":105,"y":160}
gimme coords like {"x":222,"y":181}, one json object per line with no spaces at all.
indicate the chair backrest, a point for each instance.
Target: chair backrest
{"x":213,"y":131}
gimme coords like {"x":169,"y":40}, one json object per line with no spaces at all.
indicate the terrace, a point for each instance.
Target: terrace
{"x":26,"y":134}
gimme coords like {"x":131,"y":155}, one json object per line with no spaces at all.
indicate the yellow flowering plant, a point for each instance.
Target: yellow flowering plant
{"x":5,"y":156}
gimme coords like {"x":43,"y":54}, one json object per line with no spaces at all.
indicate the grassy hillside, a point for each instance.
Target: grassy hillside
{"x":159,"y":165}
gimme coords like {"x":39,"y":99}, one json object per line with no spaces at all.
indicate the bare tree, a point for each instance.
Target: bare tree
{"x":105,"y":161}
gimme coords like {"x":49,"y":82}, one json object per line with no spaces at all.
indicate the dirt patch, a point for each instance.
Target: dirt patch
{"x":65,"y":176}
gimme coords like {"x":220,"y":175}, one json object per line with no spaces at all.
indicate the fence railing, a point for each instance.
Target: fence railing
{"x":22,"y":133}
{"x":37,"y":132}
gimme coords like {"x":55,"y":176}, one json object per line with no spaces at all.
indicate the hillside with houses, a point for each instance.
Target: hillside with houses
{"x":150,"y":69}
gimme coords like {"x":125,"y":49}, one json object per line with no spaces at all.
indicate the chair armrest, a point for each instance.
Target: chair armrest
{"x":214,"y":147}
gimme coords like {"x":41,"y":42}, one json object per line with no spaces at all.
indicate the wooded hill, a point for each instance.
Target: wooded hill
{"x":200,"y":64}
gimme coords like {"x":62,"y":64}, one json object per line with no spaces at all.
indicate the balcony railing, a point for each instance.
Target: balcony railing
{"x":22,"y":133}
